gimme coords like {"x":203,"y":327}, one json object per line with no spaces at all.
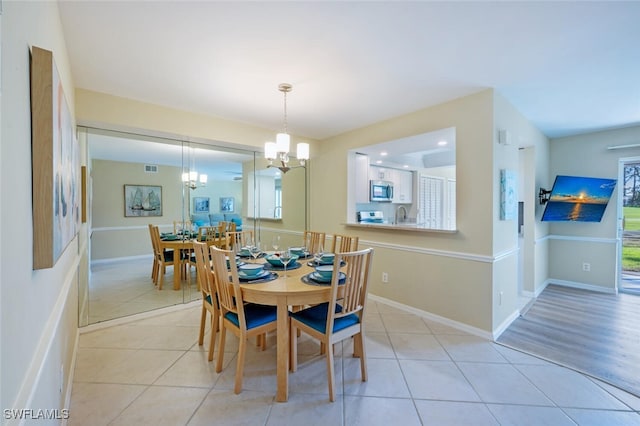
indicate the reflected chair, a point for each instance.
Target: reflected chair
{"x":180,"y":225}
{"x":206,"y":233}
{"x":344,"y":243}
{"x":243,"y":319}
{"x":239,"y":239}
{"x":162,"y":257}
{"x":340,"y":318}
{"x":206,"y":282}
{"x":313,"y":239}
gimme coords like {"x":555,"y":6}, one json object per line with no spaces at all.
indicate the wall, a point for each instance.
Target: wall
{"x":571,"y":244}
{"x":39,"y":308}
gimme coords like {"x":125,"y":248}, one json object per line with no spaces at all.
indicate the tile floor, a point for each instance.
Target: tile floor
{"x":152,"y":372}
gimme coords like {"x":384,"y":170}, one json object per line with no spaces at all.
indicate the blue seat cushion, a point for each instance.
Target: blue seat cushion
{"x":255,"y":315}
{"x":200,"y":220}
{"x":316,"y":318}
{"x":168,"y":256}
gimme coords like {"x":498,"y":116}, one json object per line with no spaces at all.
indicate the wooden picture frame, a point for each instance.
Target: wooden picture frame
{"x":142,"y":200}
{"x":201,"y":204}
{"x":55,"y":163}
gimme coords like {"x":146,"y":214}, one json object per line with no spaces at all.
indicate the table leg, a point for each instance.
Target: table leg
{"x":177,"y":269}
{"x":282,"y":364}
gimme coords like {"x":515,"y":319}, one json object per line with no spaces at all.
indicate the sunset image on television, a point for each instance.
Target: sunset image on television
{"x":580,"y":199}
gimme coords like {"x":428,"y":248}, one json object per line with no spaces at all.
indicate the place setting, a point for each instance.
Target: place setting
{"x":322,"y":275}
{"x":250,"y":273}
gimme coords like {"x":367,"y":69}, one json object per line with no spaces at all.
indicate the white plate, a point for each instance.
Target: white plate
{"x":244,"y":276}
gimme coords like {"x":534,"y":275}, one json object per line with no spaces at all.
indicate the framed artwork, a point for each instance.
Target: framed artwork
{"x":142,"y":200}
{"x":55,"y":163}
{"x":508,"y":196}
{"x":201,"y":204}
{"x":226,"y":204}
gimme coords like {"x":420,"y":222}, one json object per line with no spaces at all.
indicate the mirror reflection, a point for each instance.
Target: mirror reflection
{"x":408,"y":182}
{"x":199,"y":185}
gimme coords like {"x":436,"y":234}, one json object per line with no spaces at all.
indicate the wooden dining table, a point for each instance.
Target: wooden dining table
{"x":179,"y":246}
{"x":284,"y":292}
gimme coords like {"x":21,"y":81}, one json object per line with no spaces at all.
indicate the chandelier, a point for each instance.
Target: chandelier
{"x":192,"y":179}
{"x":279,"y":150}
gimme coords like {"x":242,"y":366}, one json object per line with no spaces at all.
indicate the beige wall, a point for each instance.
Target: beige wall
{"x":39,"y":308}
{"x":571,"y":244}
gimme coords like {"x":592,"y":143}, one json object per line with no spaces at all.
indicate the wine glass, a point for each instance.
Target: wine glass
{"x":255,"y":251}
{"x":285,"y":258}
{"x":275,"y":242}
{"x":317,"y":255}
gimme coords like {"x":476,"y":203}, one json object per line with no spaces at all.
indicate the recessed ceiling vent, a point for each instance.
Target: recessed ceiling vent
{"x":151,"y":168}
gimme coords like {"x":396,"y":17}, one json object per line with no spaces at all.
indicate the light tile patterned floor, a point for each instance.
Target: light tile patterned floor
{"x":152,"y":372}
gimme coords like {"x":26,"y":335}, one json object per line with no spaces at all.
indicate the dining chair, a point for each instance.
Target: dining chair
{"x":206,"y":233}
{"x":344,"y":243}
{"x":206,"y":282}
{"x":313,"y":239}
{"x":179,"y":225}
{"x":239,"y":239}
{"x":340,"y":318}
{"x":154,"y":267}
{"x":243,"y":319}
{"x":162,"y":257}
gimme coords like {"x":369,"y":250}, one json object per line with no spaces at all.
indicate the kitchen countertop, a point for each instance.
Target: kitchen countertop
{"x":403,"y":226}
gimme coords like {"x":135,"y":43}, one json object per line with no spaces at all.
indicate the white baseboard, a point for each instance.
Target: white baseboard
{"x":505,"y":324}
{"x":437,"y":318}
{"x":579,"y":285}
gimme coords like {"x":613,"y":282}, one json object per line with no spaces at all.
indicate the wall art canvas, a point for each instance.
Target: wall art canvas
{"x":508,"y":195}
{"x":226,"y":204}
{"x":55,"y":163}
{"x":142,"y":200}
{"x":201,"y":204}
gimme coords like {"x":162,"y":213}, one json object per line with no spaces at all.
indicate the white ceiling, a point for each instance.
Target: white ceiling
{"x":569,"y":67}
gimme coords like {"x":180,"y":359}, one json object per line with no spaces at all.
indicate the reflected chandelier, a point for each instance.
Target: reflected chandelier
{"x":191,"y":179}
{"x":279,"y":150}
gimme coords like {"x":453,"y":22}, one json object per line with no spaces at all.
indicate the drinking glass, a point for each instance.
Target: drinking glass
{"x":317,"y":255}
{"x":285,"y":258}
{"x":255,"y":251}
{"x":275,"y":242}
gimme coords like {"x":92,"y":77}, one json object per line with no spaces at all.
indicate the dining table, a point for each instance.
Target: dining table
{"x":287,"y":290}
{"x":184,"y":246}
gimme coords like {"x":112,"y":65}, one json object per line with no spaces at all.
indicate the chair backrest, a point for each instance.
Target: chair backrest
{"x":207,"y":233}
{"x":204,"y":274}
{"x":231,"y":226}
{"x":155,"y":241}
{"x":313,"y":239}
{"x":227,"y":283}
{"x":352,"y":294}
{"x":239,"y":239}
{"x":344,"y":243}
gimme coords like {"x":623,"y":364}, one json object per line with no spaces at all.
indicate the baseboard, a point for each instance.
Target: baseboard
{"x":505,"y":324}
{"x":70,"y":376}
{"x":581,"y":286}
{"x":437,"y":318}
{"x":120,"y":259}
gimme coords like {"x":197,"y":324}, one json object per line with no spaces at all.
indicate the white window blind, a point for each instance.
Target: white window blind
{"x":430,"y":201}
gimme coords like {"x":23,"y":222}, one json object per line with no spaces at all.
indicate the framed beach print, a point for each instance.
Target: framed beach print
{"x":226,"y":204}
{"x":55,"y":163}
{"x":142,"y":200}
{"x":201,"y":204}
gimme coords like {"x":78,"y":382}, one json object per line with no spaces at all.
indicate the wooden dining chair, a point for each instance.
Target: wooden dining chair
{"x":162,"y":257}
{"x":344,"y":243}
{"x":206,"y":282}
{"x":206,"y":233}
{"x":243,"y":319}
{"x":313,"y":239}
{"x":340,"y":318}
{"x":239,"y":239}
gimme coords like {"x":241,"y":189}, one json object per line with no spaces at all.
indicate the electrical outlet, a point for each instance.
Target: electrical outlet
{"x":586,"y":267}
{"x":385,"y":277}
{"x":500,"y":298}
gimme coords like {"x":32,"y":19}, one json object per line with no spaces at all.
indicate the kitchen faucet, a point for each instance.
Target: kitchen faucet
{"x":404,"y":213}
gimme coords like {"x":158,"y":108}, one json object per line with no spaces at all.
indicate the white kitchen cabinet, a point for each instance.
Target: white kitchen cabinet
{"x":382,"y":173}
{"x":362,"y":178}
{"x":403,"y":187}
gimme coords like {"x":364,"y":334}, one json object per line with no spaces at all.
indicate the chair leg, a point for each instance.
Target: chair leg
{"x":161,"y":277}
{"x":223,"y":332}
{"x":203,"y":319}
{"x":293,"y":348}
{"x":359,"y":343}
{"x":242,"y":350}
{"x":331,"y":376}
{"x":212,"y":342}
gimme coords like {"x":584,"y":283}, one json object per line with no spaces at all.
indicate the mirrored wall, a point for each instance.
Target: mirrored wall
{"x":135,"y":180}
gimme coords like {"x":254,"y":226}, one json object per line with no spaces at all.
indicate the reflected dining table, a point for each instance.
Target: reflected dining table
{"x":284,"y":292}
{"x":179,"y":246}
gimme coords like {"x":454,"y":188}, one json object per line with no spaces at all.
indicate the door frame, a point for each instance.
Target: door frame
{"x":622,"y":162}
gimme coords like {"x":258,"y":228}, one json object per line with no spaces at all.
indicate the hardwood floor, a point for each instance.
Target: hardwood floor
{"x":594,"y":333}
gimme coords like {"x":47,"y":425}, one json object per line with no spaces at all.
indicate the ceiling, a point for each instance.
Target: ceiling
{"x":569,"y":67}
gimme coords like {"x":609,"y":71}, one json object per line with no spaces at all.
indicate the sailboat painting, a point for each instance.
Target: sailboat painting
{"x":142,"y":200}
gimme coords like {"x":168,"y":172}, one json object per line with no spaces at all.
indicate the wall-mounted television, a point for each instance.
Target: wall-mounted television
{"x":578,"y":199}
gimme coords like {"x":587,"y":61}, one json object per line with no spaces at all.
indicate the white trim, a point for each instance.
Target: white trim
{"x":143,"y":315}
{"x":437,"y":318}
{"x":505,"y":324}
{"x":126,"y":228}
{"x":70,"y":375}
{"x":584,"y":239}
{"x":453,"y":254}
{"x":120,"y":259}
{"x":28,"y":387}
{"x":582,"y":286}
{"x":507,"y":253}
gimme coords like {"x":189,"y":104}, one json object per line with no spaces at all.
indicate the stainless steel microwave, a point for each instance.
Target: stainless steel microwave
{"x":381,"y":190}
